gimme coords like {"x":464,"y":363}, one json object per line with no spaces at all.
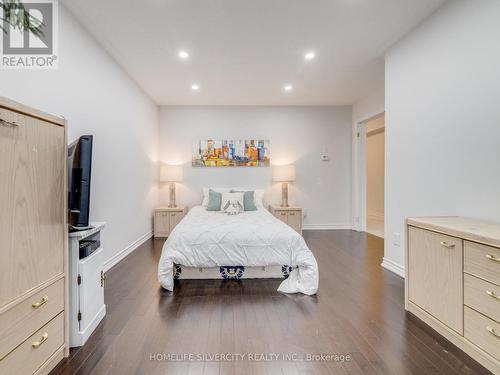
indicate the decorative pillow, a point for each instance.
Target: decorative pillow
{"x":233,"y":207}
{"x":232,"y":199}
{"x":214,"y":200}
{"x":248,"y":200}
{"x":204,"y":203}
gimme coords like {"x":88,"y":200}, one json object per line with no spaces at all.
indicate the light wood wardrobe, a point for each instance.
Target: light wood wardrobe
{"x":33,"y":240}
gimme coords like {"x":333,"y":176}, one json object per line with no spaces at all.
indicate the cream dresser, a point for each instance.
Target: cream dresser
{"x":33,"y":240}
{"x":453,"y":282}
{"x":166,"y":218}
{"x":289,"y":215}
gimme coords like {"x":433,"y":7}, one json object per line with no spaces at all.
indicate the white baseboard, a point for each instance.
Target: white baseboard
{"x":122,"y":254}
{"x":394,"y":267}
{"x":326,"y":226}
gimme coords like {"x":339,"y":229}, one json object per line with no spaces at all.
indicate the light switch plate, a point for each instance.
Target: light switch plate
{"x":396,"y":239}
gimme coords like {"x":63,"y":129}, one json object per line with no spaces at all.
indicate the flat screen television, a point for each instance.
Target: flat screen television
{"x":79,"y":173}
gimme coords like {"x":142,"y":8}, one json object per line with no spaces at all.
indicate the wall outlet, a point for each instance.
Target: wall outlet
{"x":396,"y":239}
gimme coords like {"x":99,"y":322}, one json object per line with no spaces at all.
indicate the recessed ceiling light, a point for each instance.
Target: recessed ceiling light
{"x":288,"y":88}
{"x":183,"y":55}
{"x":195,"y":87}
{"x":309,"y":55}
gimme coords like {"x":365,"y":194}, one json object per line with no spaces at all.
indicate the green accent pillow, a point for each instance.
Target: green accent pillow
{"x":214,"y":200}
{"x":248,"y":200}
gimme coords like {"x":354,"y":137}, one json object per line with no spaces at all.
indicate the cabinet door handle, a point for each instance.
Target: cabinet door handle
{"x":173,"y":214}
{"x":292,"y":213}
{"x":493,"y":332}
{"x":43,"y":301}
{"x":447,"y":245}
{"x":492,"y":258}
{"x":492,"y":295}
{"x":44,"y":338}
{"x":11,"y":123}
{"x":283,"y":213}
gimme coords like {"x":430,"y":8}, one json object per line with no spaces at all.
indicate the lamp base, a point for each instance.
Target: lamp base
{"x":171,"y":194}
{"x":284,"y":195}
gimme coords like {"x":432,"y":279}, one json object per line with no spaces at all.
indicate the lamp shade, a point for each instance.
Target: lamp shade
{"x":171,"y":173}
{"x":284,"y":173}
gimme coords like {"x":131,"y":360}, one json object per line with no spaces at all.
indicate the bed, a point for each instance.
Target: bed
{"x":252,"y":244}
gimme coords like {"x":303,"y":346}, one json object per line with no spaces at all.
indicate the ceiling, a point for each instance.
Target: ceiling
{"x":243,"y":52}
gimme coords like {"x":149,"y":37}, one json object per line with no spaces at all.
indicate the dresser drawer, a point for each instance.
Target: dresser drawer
{"x":482,"y":261}
{"x":26,"y":317}
{"x":436,"y":275}
{"x":483,"y":332}
{"x":482,"y":296}
{"x":33,"y":352}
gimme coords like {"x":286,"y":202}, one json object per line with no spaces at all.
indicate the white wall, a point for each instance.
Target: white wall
{"x":97,"y":97}
{"x":369,"y":106}
{"x":443,"y":119}
{"x":298,"y":135}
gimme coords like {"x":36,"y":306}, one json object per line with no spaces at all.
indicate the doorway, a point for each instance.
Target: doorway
{"x":374,"y":172}
{"x":369,"y":174}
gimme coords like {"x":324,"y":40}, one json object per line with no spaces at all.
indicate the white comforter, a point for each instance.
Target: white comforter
{"x":253,"y":238}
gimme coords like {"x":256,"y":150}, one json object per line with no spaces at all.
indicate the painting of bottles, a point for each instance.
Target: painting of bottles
{"x":228,"y":153}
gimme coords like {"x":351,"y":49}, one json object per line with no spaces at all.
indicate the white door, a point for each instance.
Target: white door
{"x":91,"y":289}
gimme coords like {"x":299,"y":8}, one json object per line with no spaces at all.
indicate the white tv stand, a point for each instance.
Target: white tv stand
{"x":86,"y":286}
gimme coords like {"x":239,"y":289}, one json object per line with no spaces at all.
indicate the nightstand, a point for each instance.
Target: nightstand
{"x":289,"y":215}
{"x":166,"y":218}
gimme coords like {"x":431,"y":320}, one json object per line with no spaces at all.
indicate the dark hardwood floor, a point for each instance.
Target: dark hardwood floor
{"x":358,"y":311}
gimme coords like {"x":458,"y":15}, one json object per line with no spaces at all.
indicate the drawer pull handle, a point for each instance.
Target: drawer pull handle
{"x":446,"y":244}
{"x":493,"y":332}
{"x":292,"y":213}
{"x":491,"y":257}
{"x":11,"y":123}
{"x":492,"y":294}
{"x":283,"y":213}
{"x":43,"y":301}
{"x":44,"y":338}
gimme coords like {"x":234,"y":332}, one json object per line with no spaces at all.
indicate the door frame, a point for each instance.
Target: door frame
{"x":359,"y":170}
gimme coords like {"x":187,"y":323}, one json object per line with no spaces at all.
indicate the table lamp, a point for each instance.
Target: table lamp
{"x":171,"y":174}
{"x":284,"y":174}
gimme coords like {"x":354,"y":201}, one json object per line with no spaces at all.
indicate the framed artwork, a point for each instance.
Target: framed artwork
{"x":229,"y":153}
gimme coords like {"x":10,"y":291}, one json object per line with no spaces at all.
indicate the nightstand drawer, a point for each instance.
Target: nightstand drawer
{"x":282,"y":215}
{"x":166,"y":219}
{"x":289,"y":215}
{"x":295,"y":220}
{"x":482,"y":296}
{"x":162,"y":224}
{"x":482,"y":261}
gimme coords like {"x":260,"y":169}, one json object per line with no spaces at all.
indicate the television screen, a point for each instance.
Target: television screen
{"x":79,"y":174}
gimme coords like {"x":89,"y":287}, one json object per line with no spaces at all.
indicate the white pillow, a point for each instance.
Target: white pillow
{"x":258,"y":198}
{"x":231,"y":197}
